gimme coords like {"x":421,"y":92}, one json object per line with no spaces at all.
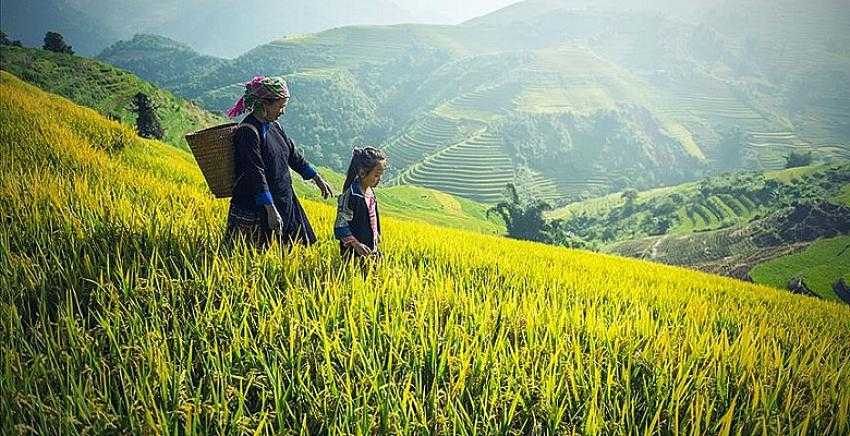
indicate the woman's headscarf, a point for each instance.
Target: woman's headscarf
{"x":259,"y":88}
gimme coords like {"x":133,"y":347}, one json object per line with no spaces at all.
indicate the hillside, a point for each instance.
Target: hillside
{"x":120,"y":313}
{"x":736,"y":224}
{"x":106,"y":89}
{"x":567,"y":99}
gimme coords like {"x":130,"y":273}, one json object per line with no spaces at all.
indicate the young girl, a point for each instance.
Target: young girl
{"x":358,"y":224}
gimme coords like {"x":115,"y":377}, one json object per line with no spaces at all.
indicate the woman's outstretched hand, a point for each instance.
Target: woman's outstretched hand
{"x":324,"y":187}
{"x":273,"y":218}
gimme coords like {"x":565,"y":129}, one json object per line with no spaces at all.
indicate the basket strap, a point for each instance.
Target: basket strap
{"x":250,"y":126}
{"x":257,"y":134}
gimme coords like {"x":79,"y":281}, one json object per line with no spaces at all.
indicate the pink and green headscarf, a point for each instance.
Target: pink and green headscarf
{"x":259,"y":88}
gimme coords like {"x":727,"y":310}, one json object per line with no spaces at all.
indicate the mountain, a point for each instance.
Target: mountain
{"x":228,"y":28}
{"x":122,"y":313}
{"x":219,"y":27}
{"x":566,"y":99}
{"x":30,"y":20}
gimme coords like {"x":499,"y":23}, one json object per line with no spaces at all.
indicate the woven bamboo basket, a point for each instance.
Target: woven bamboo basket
{"x":213,"y":150}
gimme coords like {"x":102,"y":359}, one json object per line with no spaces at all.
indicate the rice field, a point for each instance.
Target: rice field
{"x":477,"y":168}
{"x":121,"y":314}
{"x":423,"y":138}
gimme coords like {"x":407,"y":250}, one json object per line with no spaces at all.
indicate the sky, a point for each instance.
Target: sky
{"x":452,"y":11}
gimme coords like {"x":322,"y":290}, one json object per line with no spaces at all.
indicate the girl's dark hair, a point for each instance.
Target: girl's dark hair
{"x":362,"y":159}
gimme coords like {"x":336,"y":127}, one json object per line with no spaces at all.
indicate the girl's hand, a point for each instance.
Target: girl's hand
{"x":362,"y":249}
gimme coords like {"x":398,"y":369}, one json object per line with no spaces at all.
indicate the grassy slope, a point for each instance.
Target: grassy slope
{"x":119,"y":312}
{"x":820,"y":265}
{"x":107,"y":89}
{"x":420,"y":204}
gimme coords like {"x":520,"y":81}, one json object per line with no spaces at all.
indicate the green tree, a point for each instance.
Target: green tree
{"x":523,"y":219}
{"x":55,"y":42}
{"x":4,"y":40}
{"x":630,"y":197}
{"x":798,"y":159}
{"x":147,"y":121}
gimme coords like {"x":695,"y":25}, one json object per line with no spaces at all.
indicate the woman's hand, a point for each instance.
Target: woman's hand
{"x":362,"y":249}
{"x":324,"y":187}
{"x":274,"y":220}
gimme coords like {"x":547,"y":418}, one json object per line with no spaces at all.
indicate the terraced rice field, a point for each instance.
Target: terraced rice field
{"x":720,"y":107}
{"x":716,"y":209}
{"x":771,"y":148}
{"x":699,"y":249}
{"x":543,"y":188}
{"x":477,"y":168}
{"x":424,"y":138}
{"x":581,"y":184}
{"x":349,"y":46}
{"x":826,"y":124}
{"x":485,"y":104}
{"x":453,"y":150}
{"x":766,"y":142}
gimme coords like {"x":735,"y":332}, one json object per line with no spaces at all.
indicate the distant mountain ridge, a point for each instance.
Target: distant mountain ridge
{"x":225,"y":28}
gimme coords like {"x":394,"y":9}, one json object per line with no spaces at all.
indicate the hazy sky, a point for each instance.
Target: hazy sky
{"x":452,"y":11}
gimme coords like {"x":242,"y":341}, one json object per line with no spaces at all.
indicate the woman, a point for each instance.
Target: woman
{"x":264,"y":207}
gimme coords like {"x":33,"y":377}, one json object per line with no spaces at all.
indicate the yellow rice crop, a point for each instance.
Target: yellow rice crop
{"x":121,"y":314}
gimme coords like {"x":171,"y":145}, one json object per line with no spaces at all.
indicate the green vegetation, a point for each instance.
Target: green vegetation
{"x":844,"y":196}
{"x":56,"y":43}
{"x":523,"y":217}
{"x":820,"y":266}
{"x":120,"y":314}
{"x":798,"y":159}
{"x":147,"y":122}
{"x":4,"y":40}
{"x":105,"y":89}
{"x":710,"y":204}
{"x":726,"y":225}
